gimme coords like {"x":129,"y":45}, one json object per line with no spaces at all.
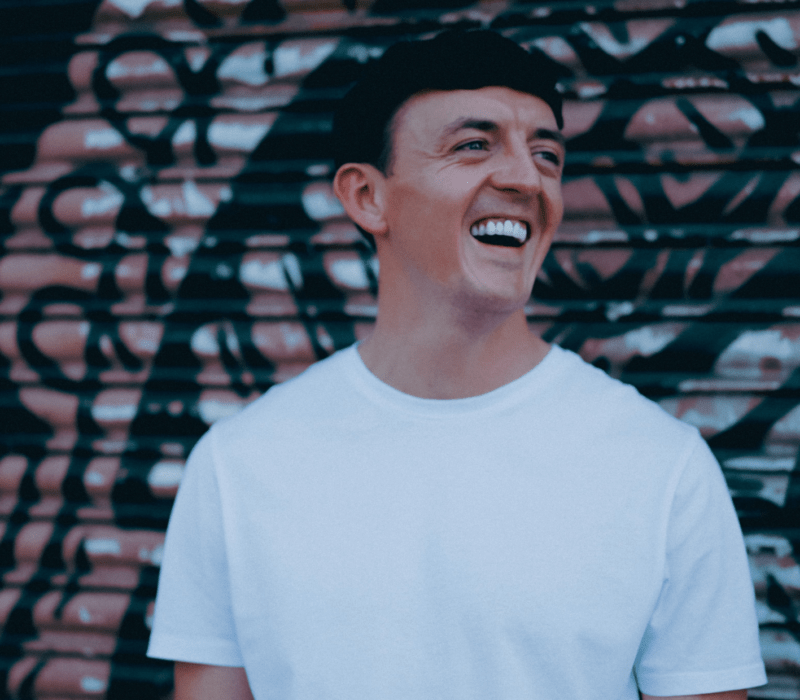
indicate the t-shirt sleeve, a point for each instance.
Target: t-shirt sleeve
{"x":193,"y":620}
{"x":703,"y":634}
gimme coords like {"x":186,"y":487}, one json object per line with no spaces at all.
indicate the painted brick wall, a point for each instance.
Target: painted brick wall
{"x":171,"y":248}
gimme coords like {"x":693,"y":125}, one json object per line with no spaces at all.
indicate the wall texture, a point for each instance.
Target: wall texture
{"x":171,"y":248}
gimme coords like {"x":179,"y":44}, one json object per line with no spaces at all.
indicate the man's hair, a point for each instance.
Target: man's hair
{"x":453,"y":60}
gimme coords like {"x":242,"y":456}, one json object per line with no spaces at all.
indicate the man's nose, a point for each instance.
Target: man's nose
{"x":516,"y":171}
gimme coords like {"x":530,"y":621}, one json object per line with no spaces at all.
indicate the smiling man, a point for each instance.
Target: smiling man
{"x":462,"y":223}
{"x":455,"y":508}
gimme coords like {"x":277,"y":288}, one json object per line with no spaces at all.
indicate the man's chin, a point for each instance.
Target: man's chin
{"x":494,"y":301}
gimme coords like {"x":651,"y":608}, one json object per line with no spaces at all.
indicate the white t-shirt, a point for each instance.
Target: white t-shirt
{"x":559,"y":538}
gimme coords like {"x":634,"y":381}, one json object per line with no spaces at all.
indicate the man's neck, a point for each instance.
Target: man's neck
{"x":433,"y":359}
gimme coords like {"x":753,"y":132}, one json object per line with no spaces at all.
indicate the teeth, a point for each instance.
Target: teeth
{"x":508,"y":227}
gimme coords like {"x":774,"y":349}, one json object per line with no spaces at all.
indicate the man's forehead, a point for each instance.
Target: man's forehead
{"x":442,"y":112}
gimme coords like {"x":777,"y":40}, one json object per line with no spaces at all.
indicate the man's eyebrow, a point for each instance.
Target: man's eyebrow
{"x":490,"y":126}
{"x":469,"y":123}
{"x":550,"y":135}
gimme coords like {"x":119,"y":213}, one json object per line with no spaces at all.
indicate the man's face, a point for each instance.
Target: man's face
{"x":473,"y":195}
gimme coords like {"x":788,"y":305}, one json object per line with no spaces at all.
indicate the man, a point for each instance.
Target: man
{"x":454,"y":508}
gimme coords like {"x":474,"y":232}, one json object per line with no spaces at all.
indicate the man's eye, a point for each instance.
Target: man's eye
{"x":472,"y":146}
{"x":549,"y":155}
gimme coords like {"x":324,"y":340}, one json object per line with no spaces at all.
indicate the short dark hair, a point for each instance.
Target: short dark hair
{"x":453,"y":60}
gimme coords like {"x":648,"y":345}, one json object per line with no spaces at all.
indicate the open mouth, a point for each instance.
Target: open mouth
{"x":510,"y":233}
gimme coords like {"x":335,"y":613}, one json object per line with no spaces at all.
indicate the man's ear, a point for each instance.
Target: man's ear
{"x":360,"y":189}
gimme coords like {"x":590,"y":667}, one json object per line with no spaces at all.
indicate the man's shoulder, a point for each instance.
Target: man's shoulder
{"x":312,"y":390}
{"x":593,"y":394}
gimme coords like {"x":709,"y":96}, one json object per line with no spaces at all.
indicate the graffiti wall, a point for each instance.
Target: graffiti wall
{"x":171,"y":248}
